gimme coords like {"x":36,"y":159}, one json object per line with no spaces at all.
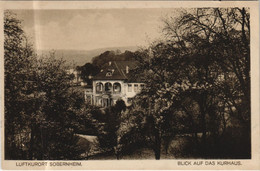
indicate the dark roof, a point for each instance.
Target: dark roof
{"x":117,"y":70}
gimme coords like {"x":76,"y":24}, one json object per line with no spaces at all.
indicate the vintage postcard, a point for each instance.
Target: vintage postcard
{"x":129,"y":85}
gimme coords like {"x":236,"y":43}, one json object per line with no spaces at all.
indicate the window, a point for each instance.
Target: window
{"x":99,"y":102}
{"x":99,"y":87}
{"x":117,"y":88}
{"x":108,"y":87}
{"x":142,"y":86}
{"x":129,"y":87}
{"x":109,"y":74}
{"x":136,"y":87}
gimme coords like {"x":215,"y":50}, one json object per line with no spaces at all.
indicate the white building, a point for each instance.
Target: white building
{"x":114,"y":82}
{"x":76,"y":76}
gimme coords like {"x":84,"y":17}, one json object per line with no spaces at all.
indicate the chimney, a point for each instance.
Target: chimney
{"x":127,"y":69}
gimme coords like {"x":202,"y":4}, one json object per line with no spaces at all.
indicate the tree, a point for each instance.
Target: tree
{"x":59,"y":111}
{"x":218,"y":39}
{"x":108,"y":134}
{"x":162,"y":78}
{"x":40,"y":104}
{"x":188,"y":75}
{"x":107,"y":56}
{"x":18,"y":60}
{"x":227,"y":32}
{"x":87,"y":71}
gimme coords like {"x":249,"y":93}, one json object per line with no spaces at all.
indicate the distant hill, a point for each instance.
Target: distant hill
{"x":80,"y":57}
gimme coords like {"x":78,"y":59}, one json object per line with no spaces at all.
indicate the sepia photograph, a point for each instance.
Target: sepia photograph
{"x":127,"y":84}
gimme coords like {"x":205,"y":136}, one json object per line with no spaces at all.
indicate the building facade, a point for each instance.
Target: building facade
{"x":114,"y":82}
{"x":77,"y":80}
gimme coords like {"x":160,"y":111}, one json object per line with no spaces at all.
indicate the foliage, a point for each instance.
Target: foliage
{"x":40,"y":105}
{"x":18,"y":60}
{"x":197,"y":85}
{"x":199,"y":77}
{"x":59,"y":110}
{"x":87,"y":71}
{"x":112,"y":56}
{"x":108,"y":126}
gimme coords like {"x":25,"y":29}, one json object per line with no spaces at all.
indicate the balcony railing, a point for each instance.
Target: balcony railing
{"x":108,"y":92}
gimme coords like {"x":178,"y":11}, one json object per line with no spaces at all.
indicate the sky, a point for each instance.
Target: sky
{"x":92,"y":28}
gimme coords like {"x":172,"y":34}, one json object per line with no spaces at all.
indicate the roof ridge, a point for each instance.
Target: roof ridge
{"x":122,"y":73}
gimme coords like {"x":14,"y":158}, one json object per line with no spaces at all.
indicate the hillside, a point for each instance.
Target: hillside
{"x":80,"y":57}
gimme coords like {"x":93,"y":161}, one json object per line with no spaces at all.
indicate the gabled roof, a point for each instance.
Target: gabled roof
{"x":115,"y":70}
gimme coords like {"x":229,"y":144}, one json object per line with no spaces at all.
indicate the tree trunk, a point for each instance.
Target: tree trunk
{"x":204,"y":132}
{"x":166,"y":148}
{"x":196,"y":138}
{"x":157,"y":145}
{"x":157,"y":154}
{"x":32,"y":140}
{"x":117,"y":156}
{"x":202,"y":106}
